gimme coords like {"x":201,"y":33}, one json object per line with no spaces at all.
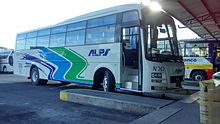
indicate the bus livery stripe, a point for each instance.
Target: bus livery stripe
{"x":198,"y":66}
{"x":75,"y":71}
{"x":39,"y":61}
{"x":62,"y":64}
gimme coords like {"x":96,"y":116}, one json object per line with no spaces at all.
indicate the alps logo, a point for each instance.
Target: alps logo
{"x":99,"y":52}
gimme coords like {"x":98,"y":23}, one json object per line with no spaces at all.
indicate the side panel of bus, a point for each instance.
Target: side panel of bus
{"x":195,"y":64}
{"x":73,"y":64}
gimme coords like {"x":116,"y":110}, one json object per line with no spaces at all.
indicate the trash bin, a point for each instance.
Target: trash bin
{"x":209,"y":102}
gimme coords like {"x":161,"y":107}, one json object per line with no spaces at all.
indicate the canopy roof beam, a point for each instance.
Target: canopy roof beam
{"x":182,"y":4}
{"x":210,"y":12}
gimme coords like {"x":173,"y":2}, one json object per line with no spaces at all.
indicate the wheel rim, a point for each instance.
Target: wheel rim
{"x":4,"y":70}
{"x":198,"y":77}
{"x":105,"y":83}
{"x":34,"y":76}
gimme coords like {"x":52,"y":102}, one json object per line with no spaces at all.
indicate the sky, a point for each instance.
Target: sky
{"x":23,"y":15}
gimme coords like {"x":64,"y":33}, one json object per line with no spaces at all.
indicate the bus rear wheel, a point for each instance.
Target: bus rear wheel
{"x":4,"y":69}
{"x":35,"y":79}
{"x":198,"y":76}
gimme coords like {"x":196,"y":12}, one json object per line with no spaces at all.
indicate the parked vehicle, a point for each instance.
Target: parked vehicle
{"x":127,"y":47}
{"x":6,"y":61}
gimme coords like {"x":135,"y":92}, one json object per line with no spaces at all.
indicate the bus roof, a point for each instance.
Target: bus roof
{"x":103,"y":12}
{"x":199,"y":40}
{"x":95,"y":14}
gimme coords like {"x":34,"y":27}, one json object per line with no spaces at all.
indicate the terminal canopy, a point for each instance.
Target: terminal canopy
{"x":201,"y":16}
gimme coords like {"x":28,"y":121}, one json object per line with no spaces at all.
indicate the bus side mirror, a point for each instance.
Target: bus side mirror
{"x":10,"y":60}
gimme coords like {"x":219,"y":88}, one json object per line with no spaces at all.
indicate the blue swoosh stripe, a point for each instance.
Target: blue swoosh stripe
{"x":63,"y":64}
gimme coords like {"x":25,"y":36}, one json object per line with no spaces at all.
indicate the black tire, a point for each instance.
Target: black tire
{"x":64,"y":83}
{"x":108,"y":82}
{"x":35,"y":80}
{"x":198,"y":76}
{"x":4,"y":69}
{"x":43,"y":82}
{"x":96,"y":84}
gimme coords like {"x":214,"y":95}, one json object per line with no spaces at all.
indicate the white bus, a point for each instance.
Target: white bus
{"x":6,"y":60}
{"x":114,"y":48}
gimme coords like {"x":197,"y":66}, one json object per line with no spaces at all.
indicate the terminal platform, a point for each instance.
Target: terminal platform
{"x":118,"y":101}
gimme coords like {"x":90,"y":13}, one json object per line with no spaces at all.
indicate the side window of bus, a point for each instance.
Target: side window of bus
{"x":43,"y":32}
{"x":101,"y":30}
{"x":43,"y":41}
{"x":76,"y":33}
{"x":20,"y":41}
{"x":75,"y":37}
{"x":197,"y":49}
{"x":21,"y":36}
{"x":30,"y":42}
{"x":76,"y":26}
{"x":57,"y":40}
{"x":20,"y":44}
{"x":43,"y":38}
{"x":131,"y":17}
{"x":107,"y":20}
{"x":59,"y":29}
{"x":32,"y":34}
{"x":103,"y":34}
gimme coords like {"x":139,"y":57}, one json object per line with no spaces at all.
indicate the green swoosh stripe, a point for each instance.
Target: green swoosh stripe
{"x":79,"y":63}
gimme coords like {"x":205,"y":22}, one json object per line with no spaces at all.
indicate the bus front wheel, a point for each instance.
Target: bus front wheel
{"x":108,"y":82}
{"x":35,"y":79}
{"x":198,"y":76}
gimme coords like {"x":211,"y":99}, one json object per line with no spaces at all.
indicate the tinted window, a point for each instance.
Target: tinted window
{"x":130,"y":16}
{"x":58,"y":29}
{"x":57,"y":40}
{"x":20,"y":44}
{"x":31,"y":42}
{"x":21,"y":36}
{"x":75,"y":37}
{"x":102,"y":21}
{"x":100,"y":35}
{"x":44,"y":32}
{"x":109,"y":20}
{"x":43,"y":41}
{"x":3,"y":56}
{"x":197,"y":49}
{"x":76,"y":26}
{"x":31,"y":34}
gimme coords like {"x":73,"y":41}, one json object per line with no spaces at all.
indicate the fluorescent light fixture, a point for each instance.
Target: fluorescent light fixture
{"x":155,"y":6}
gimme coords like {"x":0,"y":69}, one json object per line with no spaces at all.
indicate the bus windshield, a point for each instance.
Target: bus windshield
{"x":161,"y":42}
